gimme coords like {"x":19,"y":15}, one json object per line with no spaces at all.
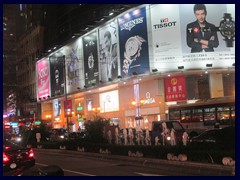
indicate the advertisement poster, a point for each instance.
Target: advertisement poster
{"x":175,"y":88}
{"x":181,"y":37}
{"x":109,"y":101}
{"x":57,"y":74}
{"x":56,"y":107}
{"x":90,"y":59}
{"x":108,"y":52}
{"x":43,"y":78}
{"x":133,"y":40}
{"x":74,"y":66}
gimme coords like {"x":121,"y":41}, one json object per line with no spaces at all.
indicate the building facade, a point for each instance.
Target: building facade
{"x":132,"y":68}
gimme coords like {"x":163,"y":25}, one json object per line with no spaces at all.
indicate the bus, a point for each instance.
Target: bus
{"x":202,"y":115}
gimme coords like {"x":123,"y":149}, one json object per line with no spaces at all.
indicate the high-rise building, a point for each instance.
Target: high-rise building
{"x":11,"y":31}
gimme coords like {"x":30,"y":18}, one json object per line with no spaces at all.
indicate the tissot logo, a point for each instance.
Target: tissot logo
{"x":130,"y":24}
{"x":165,"y":23}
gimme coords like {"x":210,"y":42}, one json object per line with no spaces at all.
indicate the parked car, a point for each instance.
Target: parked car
{"x":16,"y":157}
{"x":157,"y":131}
{"x":77,"y":135}
{"x":218,"y":137}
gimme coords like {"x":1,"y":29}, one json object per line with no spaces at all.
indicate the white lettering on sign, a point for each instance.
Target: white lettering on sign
{"x":148,"y":99}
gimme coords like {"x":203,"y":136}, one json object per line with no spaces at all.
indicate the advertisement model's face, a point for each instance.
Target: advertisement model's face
{"x":200,"y":16}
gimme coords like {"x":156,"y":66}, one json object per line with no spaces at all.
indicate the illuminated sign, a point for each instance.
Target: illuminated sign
{"x":109,"y":101}
{"x":79,"y":108}
{"x":149,"y":99}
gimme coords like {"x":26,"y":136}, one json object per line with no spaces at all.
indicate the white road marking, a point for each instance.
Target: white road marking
{"x":76,"y":172}
{"x":147,"y":174}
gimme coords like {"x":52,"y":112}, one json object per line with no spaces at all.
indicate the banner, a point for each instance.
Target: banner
{"x":43,"y":78}
{"x":175,"y":88}
{"x":91,"y":59}
{"x":181,"y":38}
{"x":57,"y":74}
{"x":133,"y":39}
{"x":108,"y":50}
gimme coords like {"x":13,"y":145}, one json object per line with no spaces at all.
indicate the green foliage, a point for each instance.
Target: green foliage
{"x":95,"y":130}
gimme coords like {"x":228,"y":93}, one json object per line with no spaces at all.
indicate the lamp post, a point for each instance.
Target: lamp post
{"x":137,"y":105}
{"x":95,"y":110}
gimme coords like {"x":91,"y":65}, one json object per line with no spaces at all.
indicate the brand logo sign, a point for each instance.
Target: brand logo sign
{"x":149,"y":99}
{"x":165,"y":23}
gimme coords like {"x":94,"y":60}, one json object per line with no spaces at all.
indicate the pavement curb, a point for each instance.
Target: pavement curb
{"x":194,"y":168}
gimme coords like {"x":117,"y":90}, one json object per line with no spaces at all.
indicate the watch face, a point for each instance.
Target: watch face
{"x":227,"y":28}
{"x":131,"y":46}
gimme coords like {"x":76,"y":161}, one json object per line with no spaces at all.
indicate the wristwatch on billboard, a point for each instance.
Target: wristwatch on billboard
{"x":227,"y":29}
{"x":132,"y":50}
{"x":133,"y":46}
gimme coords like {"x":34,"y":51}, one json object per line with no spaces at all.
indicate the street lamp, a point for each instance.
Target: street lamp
{"x":96,"y":110}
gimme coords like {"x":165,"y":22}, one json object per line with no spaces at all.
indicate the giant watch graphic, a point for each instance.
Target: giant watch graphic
{"x":132,"y":51}
{"x":227,"y":29}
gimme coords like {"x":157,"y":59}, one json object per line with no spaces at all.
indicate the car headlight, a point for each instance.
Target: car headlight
{"x":61,"y":136}
{"x":19,"y":139}
{"x":168,"y":138}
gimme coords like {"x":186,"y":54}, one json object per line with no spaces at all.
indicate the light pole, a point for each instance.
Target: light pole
{"x":95,"y":110}
{"x":66,"y":99}
{"x":137,"y":105}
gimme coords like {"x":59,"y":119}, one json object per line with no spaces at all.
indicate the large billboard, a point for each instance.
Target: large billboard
{"x":57,"y":73}
{"x":108,"y":52}
{"x":183,"y":37}
{"x":90,"y":59}
{"x":133,"y":40}
{"x":74,"y":66}
{"x":43,"y":78}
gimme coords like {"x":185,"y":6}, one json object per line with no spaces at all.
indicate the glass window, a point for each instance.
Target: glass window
{"x":186,"y":115}
{"x":174,"y":115}
{"x":197,"y":115}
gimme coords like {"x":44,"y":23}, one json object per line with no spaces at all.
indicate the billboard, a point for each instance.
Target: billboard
{"x":133,"y":41}
{"x":74,"y":66}
{"x":109,"y":101}
{"x":57,"y":73}
{"x":90,"y":59}
{"x":43,"y":78}
{"x":175,"y":88}
{"x":108,"y":52}
{"x":180,"y":39}
{"x":56,"y":107}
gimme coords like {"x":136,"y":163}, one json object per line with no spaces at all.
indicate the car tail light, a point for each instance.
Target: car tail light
{"x":5,"y":158}
{"x":31,"y":154}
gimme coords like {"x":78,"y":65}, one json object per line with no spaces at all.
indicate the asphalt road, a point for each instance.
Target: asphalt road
{"x":90,"y":164}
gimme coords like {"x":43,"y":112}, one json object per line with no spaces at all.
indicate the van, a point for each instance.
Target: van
{"x":157,"y":131}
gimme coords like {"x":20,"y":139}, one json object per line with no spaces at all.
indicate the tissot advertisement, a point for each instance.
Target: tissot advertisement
{"x":57,"y":74}
{"x":43,"y":78}
{"x":90,"y":59}
{"x":108,"y":51}
{"x":175,"y":88}
{"x":133,"y":39}
{"x":192,"y":36}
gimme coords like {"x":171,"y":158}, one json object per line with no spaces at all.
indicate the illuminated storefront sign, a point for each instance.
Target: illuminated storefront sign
{"x":149,"y":99}
{"x":175,"y":88}
{"x":109,"y":101}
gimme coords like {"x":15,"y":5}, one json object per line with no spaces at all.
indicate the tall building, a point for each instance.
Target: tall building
{"x":11,"y":31}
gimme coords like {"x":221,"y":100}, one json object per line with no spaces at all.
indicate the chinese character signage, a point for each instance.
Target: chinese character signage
{"x":175,"y":88}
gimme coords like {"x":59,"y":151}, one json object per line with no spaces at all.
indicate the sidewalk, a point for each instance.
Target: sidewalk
{"x":192,"y":168}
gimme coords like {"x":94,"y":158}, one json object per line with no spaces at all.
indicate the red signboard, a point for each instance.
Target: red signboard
{"x":68,"y":105}
{"x":175,"y":88}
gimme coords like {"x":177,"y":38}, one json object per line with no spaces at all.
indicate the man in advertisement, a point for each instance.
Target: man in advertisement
{"x":200,"y":37}
{"x":111,"y":56}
